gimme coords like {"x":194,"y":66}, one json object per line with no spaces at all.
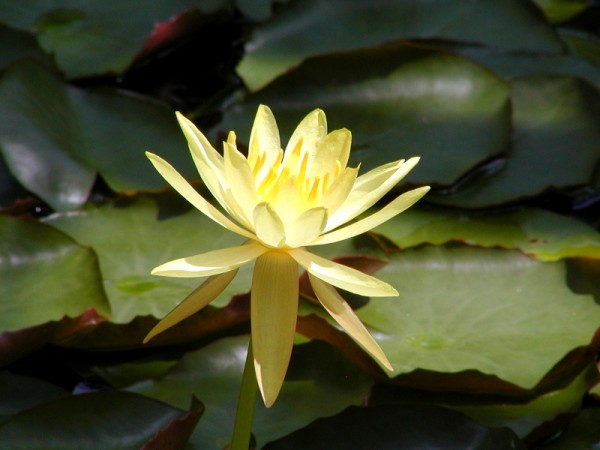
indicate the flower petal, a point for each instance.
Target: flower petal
{"x":273,"y":311}
{"x":343,"y":314}
{"x":208,"y":162}
{"x":392,"y":209}
{"x":342,"y":276}
{"x":269,"y":227}
{"x":211,"y":263}
{"x":198,"y":299}
{"x":180,"y":184}
{"x":310,"y":131}
{"x":264,"y":142}
{"x":339,"y":190}
{"x":306,"y":227}
{"x":368,"y":189}
{"x":241,"y":183}
{"x":333,"y":150}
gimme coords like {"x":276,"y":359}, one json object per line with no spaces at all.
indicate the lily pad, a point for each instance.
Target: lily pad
{"x":391,"y":427}
{"x":55,"y":137}
{"x":45,"y":276}
{"x":561,"y":10}
{"x":545,"y":235}
{"x":457,"y":312}
{"x":301,"y":29}
{"x":556,"y":131}
{"x":399,"y":101}
{"x":582,"y":433}
{"x":214,"y":373}
{"x":115,"y":420}
{"x":17,"y":45}
{"x":131,"y":238}
{"x":88,"y":38}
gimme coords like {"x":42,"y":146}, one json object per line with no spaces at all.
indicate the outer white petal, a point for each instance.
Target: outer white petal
{"x":211,"y":263}
{"x":179,"y":183}
{"x":343,"y":314}
{"x":273,"y":311}
{"x":342,"y":276}
{"x":368,"y":189}
{"x":269,"y":227}
{"x":392,"y":209}
{"x":198,"y":299}
{"x":306,"y":228}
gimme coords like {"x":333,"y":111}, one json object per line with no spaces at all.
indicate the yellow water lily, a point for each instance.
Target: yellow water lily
{"x":283,"y":201}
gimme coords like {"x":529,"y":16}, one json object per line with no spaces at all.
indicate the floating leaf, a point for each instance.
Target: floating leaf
{"x":20,"y":393}
{"x":17,"y":45}
{"x":55,"y":137}
{"x":583,"y":432}
{"x":97,"y":420}
{"x":456,"y":312}
{"x":556,"y":131}
{"x":131,"y":238}
{"x":45,"y":276}
{"x":561,"y":10}
{"x":543,"y":234}
{"x":399,"y":101}
{"x":88,"y":38}
{"x":301,"y":29}
{"x":214,"y":374}
{"x":391,"y":427}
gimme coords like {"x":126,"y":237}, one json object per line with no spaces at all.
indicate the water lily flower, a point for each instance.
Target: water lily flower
{"x":282,"y":202}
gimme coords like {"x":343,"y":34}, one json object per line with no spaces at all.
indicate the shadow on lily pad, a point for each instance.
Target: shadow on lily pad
{"x":390,"y":427}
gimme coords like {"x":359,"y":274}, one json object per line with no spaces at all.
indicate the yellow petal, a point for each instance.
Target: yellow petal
{"x":269,"y":227}
{"x":208,"y":162}
{"x":392,"y":209}
{"x":273,"y":310}
{"x":368,"y":189}
{"x":306,"y":227}
{"x":338,"y":192}
{"x":342,"y":276}
{"x":211,"y":263}
{"x":198,"y":299}
{"x":241,"y":182}
{"x":343,"y":314}
{"x":311,"y":130}
{"x":264,"y":141}
{"x":333,"y":149}
{"x":179,"y":183}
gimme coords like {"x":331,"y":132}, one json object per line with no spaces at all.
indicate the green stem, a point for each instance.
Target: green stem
{"x":242,"y":430}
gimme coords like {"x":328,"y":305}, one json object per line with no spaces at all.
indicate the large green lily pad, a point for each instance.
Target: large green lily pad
{"x":391,"y":427}
{"x":89,"y":38}
{"x":398,"y":101}
{"x":101,"y":420}
{"x":45,"y":276}
{"x":300,"y":29}
{"x":320,"y":382}
{"x":547,"y":236}
{"x":131,"y":238}
{"x":55,"y":137}
{"x":458,"y":311}
{"x":555,"y":143}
